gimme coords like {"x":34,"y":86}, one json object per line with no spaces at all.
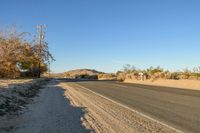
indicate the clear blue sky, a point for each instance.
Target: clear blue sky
{"x":106,"y":34}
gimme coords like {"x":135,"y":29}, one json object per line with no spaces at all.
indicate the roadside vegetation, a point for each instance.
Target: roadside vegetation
{"x":17,"y":93}
{"x":106,"y":76}
{"x":130,"y":72}
{"x":20,"y":57}
{"x":154,"y":73}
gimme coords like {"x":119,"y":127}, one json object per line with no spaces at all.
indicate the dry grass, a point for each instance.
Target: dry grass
{"x":5,"y":83}
{"x":15,"y":94}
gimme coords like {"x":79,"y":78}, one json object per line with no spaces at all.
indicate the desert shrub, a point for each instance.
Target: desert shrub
{"x":129,"y":69}
{"x":128,"y":76}
{"x":167,"y":75}
{"x":183,"y":76}
{"x":186,"y":73}
{"x":155,"y":76}
{"x":193,"y":77}
{"x":153,"y":70}
{"x":118,"y":72}
{"x":196,"y":72}
{"x":100,"y":76}
{"x":121,"y":76}
{"x":132,"y":76}
{"x":175,"y":76}
{"x":106,"y":76}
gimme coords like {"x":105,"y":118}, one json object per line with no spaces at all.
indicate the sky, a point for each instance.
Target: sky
{"x":107,"y":34}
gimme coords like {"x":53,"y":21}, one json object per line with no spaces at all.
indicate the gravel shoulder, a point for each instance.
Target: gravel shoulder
{"x":106,"y":116}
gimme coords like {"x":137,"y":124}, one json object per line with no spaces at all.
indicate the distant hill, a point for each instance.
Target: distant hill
{"x":78,"y":72}
{"x":85,"y":74}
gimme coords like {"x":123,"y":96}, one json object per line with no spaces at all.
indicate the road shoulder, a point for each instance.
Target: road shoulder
{"x":105,"y":116}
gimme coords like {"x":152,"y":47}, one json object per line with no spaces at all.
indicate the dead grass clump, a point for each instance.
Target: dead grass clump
{"x":14,"y":99}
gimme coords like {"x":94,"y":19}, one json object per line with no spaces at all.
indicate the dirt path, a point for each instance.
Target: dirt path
{"x":50,"y":113}
{"x":182,"y":83}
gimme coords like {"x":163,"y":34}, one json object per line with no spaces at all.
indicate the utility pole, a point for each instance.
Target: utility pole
{"x":41,"y":32}
{"x":49,"y":70}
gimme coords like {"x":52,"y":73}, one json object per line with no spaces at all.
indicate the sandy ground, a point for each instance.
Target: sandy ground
{"x":106,"y":116}
{"x":186,"y":84}
{"x":51,"y":112}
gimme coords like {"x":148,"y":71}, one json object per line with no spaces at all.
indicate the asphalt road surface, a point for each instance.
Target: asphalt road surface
{"x":179,"y":108}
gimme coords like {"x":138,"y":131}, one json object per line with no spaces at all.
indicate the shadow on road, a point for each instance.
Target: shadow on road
{"x":73,"y":116}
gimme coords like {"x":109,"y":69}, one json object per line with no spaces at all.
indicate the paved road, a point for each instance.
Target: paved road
{"x":179,"y":108}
